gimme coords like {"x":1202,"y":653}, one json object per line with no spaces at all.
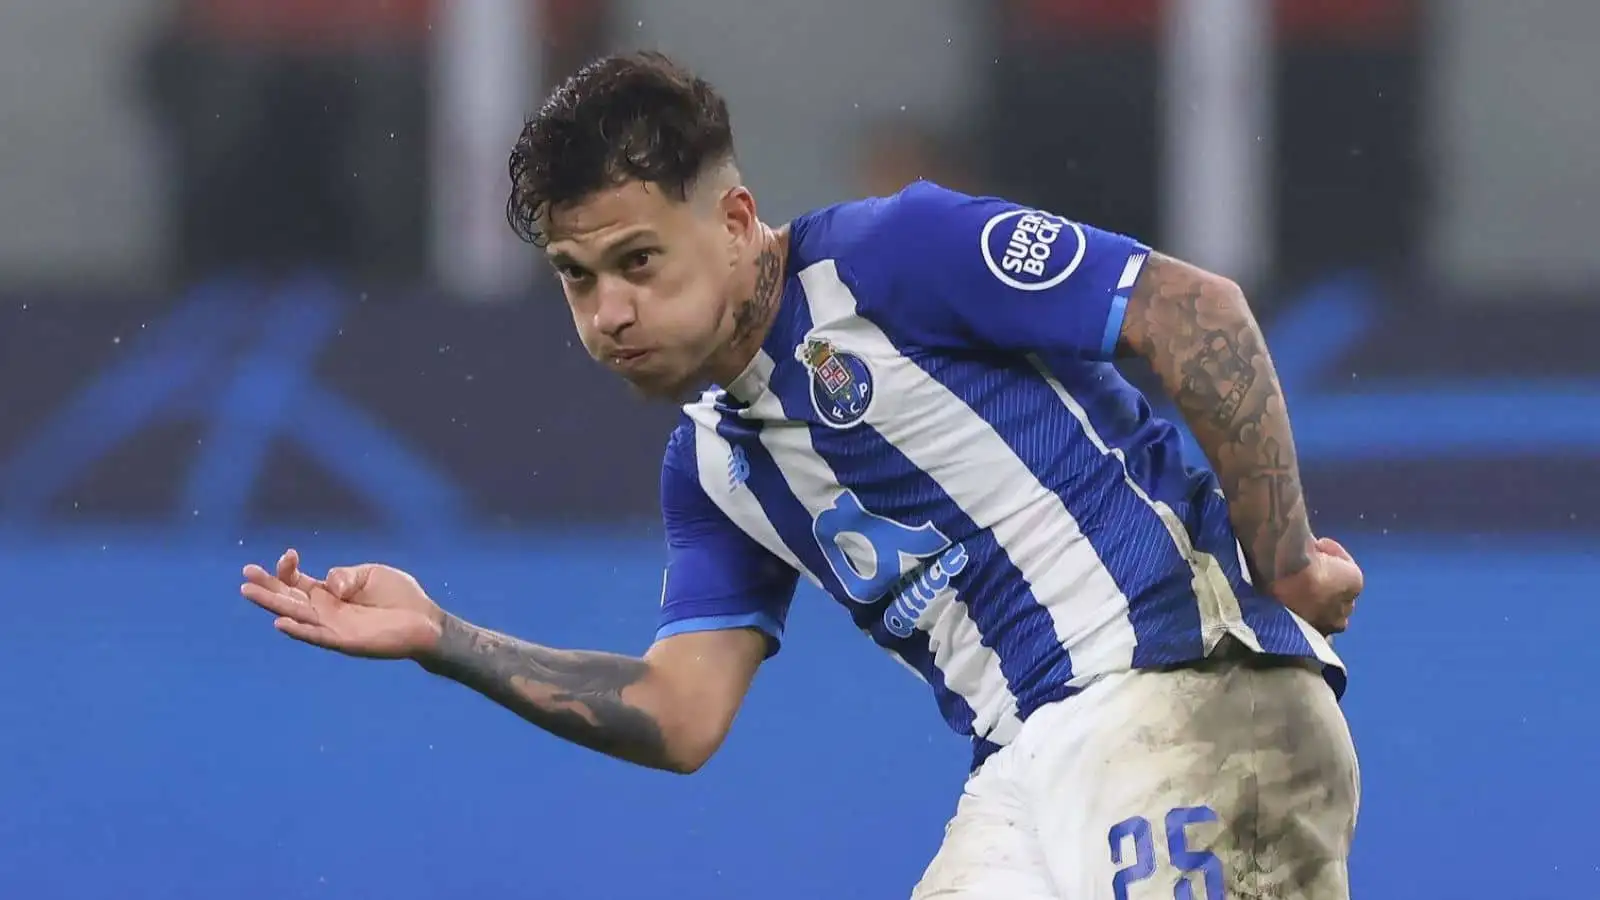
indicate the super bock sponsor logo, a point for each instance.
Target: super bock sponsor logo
{"x":1031,"y":250}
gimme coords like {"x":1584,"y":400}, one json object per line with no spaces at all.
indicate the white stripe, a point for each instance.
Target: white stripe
{"x":741,"y":507}
{"x":751,"y":386}
{"x":970,"y":670}
{"x":712,"y":458}
{"x":1321,"y":645}
{"x":964,"y":455}
{"x":1219,"y":605}
{"x":755,"y":377}
{"x":1130,"y":272}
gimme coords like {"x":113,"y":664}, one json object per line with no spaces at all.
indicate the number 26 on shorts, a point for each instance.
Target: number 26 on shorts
{"x":1133,"y":848}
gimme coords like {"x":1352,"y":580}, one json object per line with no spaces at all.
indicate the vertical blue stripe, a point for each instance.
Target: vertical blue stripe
{"x":684,"y":446}
{"x":981,"y":751}
{"x":1114,"y":320}
{"x":793,"y":523}
{"x":1000,"y":602}
{"x":1153,"y":454}
{"x":1273,"y":624}
{"x":1129,"y":535}
{"x":1271,"y":621}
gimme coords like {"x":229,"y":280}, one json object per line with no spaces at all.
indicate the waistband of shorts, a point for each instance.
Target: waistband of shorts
{"x":1231,"y":652}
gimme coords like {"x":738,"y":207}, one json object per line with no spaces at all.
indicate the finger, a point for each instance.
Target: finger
{"x":261,"y":577}
{"x":280,"y":603}
{"x":346,"y":582}
{"x":305,"y":632}
{"x":290,"y":573}
{"x":287,"y":564}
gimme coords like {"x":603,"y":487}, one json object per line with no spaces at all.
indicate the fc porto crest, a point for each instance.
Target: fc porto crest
{"x":841,"y":383}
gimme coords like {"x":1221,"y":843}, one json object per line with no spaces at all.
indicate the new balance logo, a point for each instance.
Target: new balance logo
{"x":738,"y":468}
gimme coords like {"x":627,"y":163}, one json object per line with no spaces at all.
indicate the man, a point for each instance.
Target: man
{"x":917,"y":413}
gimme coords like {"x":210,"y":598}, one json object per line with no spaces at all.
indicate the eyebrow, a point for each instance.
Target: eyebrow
{"x":612,"y":249}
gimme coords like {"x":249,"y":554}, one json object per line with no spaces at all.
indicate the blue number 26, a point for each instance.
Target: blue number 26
{"x":1188,"y":862}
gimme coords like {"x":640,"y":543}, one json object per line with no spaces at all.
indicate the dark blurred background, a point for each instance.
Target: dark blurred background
{"x":256,"y":289}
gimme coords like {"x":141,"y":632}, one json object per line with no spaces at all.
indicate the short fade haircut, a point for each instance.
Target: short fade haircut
{"x":627,"y":117}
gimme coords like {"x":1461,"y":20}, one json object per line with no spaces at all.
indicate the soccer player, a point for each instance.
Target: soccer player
{"x":913,"y":403}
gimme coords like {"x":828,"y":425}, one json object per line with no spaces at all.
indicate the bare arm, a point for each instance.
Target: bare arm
{"x":669,"y":710}
{"x":1198,"y":334}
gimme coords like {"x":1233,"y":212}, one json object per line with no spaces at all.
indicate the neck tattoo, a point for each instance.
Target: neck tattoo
{"x":756,"y":311}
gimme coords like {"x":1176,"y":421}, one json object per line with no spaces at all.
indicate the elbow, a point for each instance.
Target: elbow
{"x":1176,"y":307}
{"x":1231,"y":298}
{"x":699,"y":684}
{"x":1226,"y":310}
{"x":683,"y":761}
{"x":1219,"y":296}
{"x":685,"y":765}
{"x":692,"y":748}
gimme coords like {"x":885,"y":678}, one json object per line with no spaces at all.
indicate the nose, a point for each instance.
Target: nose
{"x":614,"y":308}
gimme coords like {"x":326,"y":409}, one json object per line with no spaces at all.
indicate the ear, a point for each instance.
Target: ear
{"x":738,"y":210}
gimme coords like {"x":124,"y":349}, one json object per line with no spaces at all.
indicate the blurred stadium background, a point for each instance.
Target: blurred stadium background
{"x":255,"y":289}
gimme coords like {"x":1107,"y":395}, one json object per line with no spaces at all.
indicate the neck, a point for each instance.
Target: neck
{"x":758,"y":290}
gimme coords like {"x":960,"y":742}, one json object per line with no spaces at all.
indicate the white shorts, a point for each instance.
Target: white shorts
{"x":1238,"y":778}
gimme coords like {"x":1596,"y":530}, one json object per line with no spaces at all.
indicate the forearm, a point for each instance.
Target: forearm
{"x":1201,"y":339}
{"x":602,"y":701}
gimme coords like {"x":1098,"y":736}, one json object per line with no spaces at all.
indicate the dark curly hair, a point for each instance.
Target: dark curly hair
{"x":628,"y":117}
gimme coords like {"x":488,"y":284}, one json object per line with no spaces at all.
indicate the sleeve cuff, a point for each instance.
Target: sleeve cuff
{"x":766,"y":623}
{"x":1119,"y":301}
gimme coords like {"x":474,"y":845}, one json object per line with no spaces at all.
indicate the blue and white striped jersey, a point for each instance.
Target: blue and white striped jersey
{"x":933,"y":434}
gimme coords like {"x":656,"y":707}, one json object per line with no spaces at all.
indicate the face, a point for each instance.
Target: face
{"x":648,"y":278}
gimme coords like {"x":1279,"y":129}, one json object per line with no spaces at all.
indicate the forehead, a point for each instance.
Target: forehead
{"x":612,"y":216}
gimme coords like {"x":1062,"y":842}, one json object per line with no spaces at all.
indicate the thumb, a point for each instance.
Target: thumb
{"x":346,"y":582}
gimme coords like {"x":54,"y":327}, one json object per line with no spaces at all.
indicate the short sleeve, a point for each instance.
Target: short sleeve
{"x":984,"y":272}
{"x":717,"y":577}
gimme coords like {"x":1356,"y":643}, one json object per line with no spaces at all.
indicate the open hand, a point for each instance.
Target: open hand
{"x":369,"y":610}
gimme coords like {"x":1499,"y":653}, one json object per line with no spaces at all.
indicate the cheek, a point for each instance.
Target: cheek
{"x":583,"y":324}
{"x":702,"y":308}
{"x":681,"y":296}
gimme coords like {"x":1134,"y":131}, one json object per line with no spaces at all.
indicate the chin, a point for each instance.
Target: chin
{"x":661,"y":388}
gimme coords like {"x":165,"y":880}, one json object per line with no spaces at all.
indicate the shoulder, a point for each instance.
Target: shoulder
{"x":860,"y":231}
{"x":878,"y":245}
{"x":936,"y":238}
{"x":695,"y":435}
{"x":684,"y":500}
{"x":679,"y":458}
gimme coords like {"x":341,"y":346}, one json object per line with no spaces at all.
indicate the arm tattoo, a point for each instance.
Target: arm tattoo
{"x":755,"y":312}
{"x":1200,"y":338}
{"x":575,"y":695}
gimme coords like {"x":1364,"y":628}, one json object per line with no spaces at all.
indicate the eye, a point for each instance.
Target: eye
{"x":570,"y":272}
{"x":637,"y":260}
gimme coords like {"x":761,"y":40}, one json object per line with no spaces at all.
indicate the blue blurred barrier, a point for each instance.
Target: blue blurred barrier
{"x":161,"y":741}
{"x":240,"y":403}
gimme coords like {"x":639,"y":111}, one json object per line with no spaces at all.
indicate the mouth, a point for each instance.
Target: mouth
{"x":628,"y":357}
